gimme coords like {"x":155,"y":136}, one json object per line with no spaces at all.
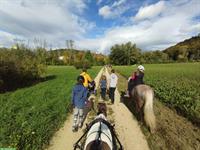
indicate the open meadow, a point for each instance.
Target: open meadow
{"x":31,"y":115}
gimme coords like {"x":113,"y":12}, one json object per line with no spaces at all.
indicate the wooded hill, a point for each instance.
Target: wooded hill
{"x":129,"y":54}
{"x":187,"y":50}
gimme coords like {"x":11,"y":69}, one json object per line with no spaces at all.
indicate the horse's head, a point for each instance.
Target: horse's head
{"x":98,"y":145}
{"x":102,"y":109}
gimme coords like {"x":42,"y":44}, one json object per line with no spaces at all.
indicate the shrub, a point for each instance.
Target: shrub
{"x":82,"y":64}
{"x":20,"y":67}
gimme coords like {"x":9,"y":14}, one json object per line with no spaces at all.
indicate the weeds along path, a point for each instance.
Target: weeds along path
{"x":64,"y":139}
{"x":126,"y":126}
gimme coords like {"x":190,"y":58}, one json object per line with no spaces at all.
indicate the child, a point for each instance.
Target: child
{"x":113,"y":84}
{"x":79,"y":97}
{"x":140,"y":75}
{"x":135,"y":79}
{"x":131,"y":80}
{"x":103,"y":85}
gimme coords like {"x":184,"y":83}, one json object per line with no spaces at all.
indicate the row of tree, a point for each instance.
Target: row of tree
{"x":21,"y":66}
{"x":128,"y":53}
{"x":74,"y":57}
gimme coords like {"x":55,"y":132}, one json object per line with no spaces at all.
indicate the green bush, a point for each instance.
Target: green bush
{"x":20,"y":66}
{"x":82,"y":64}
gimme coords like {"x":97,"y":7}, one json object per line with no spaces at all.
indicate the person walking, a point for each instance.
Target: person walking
{"x":112,"y":85}
{"x":86,"y":77}
{"x":103,"y":86}
{"x":79,"y":98}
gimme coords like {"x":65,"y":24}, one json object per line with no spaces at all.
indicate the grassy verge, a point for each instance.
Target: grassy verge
{"x":30,"y":116}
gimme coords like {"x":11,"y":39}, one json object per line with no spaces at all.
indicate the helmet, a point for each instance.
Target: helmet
{"x":141,"y":68}
{"x":80,"y":79}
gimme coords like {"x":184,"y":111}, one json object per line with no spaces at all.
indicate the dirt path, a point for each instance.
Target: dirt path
{"x":65,"y":138}
{"x":126,"y":126}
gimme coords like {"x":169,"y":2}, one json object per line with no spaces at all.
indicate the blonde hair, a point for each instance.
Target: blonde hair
{"x":103,"y":77}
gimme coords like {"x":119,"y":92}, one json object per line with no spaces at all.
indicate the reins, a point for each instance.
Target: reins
{"x":111,"y":128}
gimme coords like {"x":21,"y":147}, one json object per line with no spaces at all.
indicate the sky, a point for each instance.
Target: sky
{"x":97,"y":25}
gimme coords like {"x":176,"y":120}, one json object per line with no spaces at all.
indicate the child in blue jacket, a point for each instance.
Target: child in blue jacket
{"x":79,"y":97}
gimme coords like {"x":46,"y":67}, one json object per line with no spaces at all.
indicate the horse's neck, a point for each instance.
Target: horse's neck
{"x":102,"y":116}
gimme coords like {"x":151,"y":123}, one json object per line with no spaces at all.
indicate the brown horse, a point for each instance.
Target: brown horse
{"x":143,"y":97}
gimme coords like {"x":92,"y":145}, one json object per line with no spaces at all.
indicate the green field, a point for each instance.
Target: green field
{"x":176,"y":85}
{"x":30,"y":116}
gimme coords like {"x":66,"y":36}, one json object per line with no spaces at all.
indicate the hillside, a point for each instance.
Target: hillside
{"x":188,"y":49}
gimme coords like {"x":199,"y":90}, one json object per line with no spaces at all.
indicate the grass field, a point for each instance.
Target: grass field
{"x":30,"y":116}
{"x":176,"y":85}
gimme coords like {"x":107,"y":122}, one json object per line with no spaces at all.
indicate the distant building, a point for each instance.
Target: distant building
{"x":14,"y":47}
{"x":61,"y":57}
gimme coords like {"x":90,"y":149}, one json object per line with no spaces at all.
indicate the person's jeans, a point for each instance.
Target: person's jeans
{"x":112,"y":94}
{"x":78,"y":117}
{"x":103,"y":93}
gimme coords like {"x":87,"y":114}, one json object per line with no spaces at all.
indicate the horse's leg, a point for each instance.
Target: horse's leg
{"x":139,"y":108}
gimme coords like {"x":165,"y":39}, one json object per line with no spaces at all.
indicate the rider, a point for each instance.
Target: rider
{"x":135,"y":79}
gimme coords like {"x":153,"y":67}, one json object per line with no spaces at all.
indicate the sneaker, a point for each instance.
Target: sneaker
{"x":80,"y":125}
{"x":126,"y":95}
{"x":74,"y":129}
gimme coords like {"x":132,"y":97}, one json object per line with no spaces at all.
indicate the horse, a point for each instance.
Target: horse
{"x":143,"y":96}
{"x":100,"y":133}
{"x":92,"y":87}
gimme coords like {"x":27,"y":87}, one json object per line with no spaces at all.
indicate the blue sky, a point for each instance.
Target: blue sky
{"x":99,"y":24}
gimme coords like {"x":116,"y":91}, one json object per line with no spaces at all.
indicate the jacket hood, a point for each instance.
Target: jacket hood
{"x":78,"y":87}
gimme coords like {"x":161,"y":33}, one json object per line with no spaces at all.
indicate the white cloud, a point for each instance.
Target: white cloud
{"x":105,"y":11}
{"x":177,"y":23}
{"x":55,"y":21}
{"x":118,"y":3}
{"x":150,"y":11}
{"x":168,"y":23}
{"x":115,"y":10}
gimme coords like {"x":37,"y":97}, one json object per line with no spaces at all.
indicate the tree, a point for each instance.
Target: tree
{"x":70,"y":45}
{"x":88,"y":56}
{"x":125,"y":54}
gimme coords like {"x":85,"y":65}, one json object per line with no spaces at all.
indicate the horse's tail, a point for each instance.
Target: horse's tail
{"x":149,"y":116}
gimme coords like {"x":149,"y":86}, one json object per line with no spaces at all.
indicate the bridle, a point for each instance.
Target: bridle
{"x":80,"y":146}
